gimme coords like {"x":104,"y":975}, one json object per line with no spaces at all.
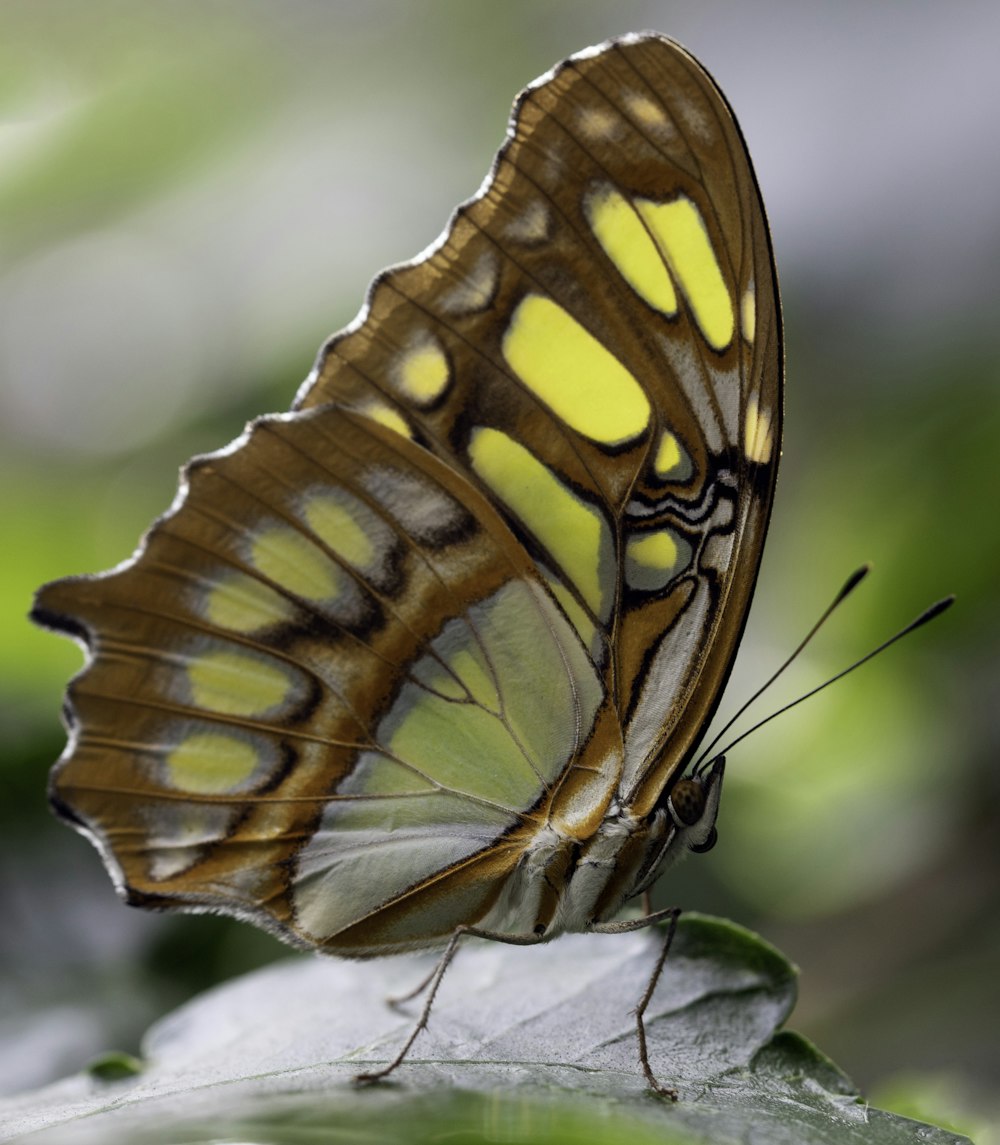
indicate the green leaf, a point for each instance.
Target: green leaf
{"x":524,"y":1045}
{"x":114,"y":1066}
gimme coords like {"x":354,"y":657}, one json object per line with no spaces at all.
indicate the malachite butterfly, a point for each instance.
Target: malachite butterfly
{"x":433,"y":650}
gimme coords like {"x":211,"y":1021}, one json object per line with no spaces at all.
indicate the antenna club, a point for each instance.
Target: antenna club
{"x":852,"y":582}
{"x":936,"y":609}
{"x":928,"y":614}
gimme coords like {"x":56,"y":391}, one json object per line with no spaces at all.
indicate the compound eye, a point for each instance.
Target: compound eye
{"x":687,"y":802}
{"x":713,"y":838}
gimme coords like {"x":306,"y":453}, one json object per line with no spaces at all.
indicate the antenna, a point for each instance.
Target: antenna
{"x":850,"y":585}
{"x":927,"y":615}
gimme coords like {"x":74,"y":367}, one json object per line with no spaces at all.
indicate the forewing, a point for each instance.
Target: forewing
{"x":608,"y":303}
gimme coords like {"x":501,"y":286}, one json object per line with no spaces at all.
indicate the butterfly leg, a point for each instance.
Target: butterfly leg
{"x":399,"y":1000}
{"x":671,"y":915}
{"x":431,"y":984}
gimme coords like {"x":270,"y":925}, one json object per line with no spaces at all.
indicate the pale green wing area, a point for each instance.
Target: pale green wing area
{"x":491,"y":715}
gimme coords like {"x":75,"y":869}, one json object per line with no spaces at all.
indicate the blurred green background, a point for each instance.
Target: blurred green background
{"x":195,"y":193}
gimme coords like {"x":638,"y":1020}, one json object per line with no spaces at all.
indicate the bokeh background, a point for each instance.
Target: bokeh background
{"x":195,"y":193}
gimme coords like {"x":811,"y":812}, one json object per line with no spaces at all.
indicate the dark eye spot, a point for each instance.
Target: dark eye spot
{"x":687,"y":801}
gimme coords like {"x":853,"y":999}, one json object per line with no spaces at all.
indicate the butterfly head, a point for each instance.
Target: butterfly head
{"x":693,"y":805}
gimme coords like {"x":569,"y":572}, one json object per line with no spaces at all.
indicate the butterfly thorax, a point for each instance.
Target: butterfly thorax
{"x":562,"y":885}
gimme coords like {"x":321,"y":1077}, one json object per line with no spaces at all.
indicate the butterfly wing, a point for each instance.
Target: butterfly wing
{"x":623,"y":211}
{"x":489,"y":573}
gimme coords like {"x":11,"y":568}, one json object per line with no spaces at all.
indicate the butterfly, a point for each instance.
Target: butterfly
{"x":431,"y":653}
